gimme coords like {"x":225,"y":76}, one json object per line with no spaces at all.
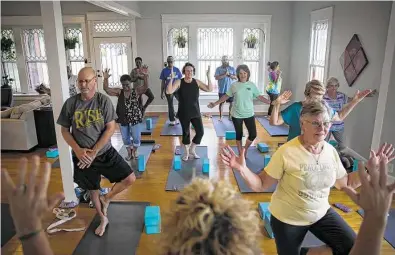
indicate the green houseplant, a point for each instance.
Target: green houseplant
{"x":180,"y":40}
{"x":7,"y":53}
{"x":70,"y":42}
{"x":251,"y":41}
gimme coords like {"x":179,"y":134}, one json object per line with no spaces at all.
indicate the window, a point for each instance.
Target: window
{"x":179,"y":51}
{"x":321,"y":21}
{"x":213,"y":43}
{"x":114,"y":56}
{"x":75,"y":56}
{"x":252,"y":52}
{"x":36,"y":58}
{"x":8,"y":62}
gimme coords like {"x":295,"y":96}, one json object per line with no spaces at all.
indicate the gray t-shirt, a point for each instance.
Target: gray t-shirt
{"x":87,"y":119}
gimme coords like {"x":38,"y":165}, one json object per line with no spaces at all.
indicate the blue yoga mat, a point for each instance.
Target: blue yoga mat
{"x":282,"y":130}
{"x":144,"y":125}
{"x":255,"y":162}
{"x":222,"y":126}
{"x":389,"y":233}
{"x":144,"y":149}
{"x":177,"y":179}
{"x":171,"y":130}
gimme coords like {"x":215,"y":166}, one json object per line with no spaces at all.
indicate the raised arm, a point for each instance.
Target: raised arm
{"x":172,"y":86}
{"x":358,"y":97}
{"x":110,"y":91}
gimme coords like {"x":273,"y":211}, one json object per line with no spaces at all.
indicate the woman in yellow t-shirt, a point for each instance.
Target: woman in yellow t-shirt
{"x":305,"y":169}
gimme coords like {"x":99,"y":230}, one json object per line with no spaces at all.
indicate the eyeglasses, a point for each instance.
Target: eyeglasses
{"x":317,"y":124}
{"x":80,"y":82}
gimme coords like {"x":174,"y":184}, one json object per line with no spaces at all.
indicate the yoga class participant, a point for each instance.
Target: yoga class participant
{"x":128,"y":110}
{"x":225,"y":75}
{"x":91,"y":117}
{"x":273,"y":88}
{"x":314,"y":90}
{"x":168,"y":73}
{"x":304,"y":170}
{"x":188,"y":106}
{"x":244,"y":92}
{"x":138,"y":75}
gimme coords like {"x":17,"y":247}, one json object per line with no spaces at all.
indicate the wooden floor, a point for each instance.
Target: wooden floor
{"x":151,"y":188}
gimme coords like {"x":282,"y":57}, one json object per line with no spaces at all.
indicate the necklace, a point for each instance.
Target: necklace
{"x":317,"y":159}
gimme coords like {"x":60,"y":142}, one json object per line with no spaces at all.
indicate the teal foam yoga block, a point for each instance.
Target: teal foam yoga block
{"x":52,"y":154}
{"x":148,"y":123}
{"x":152,"y":216}
{"x":263,"y":147}
{"x":230,"y":135}
{"x":177,"y":162}
{"x":206,"y":165}
{"x":150,"y":230}
{"x":266,"y":160}
{"x":141,"y":163}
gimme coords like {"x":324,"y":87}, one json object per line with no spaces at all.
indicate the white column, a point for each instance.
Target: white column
{"x":56,"y":59}
{"x":385,"y":81}
{"x":20,"y":59}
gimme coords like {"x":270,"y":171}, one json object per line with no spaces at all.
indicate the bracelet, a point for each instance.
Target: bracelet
{"x":30,"y":235}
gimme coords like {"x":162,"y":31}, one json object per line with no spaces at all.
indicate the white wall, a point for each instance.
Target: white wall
{"x":149,"y":31}
{"x":32,"y":8}
{"x":388,"y":132}
{"x":369,"y":20}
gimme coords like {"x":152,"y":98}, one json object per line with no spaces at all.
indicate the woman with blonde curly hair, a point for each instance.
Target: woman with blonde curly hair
{"x":211,"y":218}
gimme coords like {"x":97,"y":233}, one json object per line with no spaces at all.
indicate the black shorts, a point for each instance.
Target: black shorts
{"x":229,"y":100}
{"x":110,"y":164}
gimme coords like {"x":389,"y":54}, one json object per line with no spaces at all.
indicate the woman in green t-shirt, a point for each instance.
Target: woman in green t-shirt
{"x":243,"y":92}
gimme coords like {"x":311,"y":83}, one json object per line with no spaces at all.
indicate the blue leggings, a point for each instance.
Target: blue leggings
{"x":330,"y":229}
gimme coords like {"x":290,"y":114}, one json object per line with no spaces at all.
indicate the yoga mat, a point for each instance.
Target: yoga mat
{"x":255,"y":162}
{"x":144,"y":149}
{"x":171,"y":130}
{"x":144,"y":130}
{"x":177,"y":179}
{"x":389,"y":233}
{"x":222,"y":126}
{"x":122,"y":235}
{"x":282,"y":130}
{"x":7,"y":225}
{"x":56,"y":164}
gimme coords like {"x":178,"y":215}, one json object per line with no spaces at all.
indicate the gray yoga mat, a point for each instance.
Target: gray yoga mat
{"x":389,"y":233}
{"x":282,"y":130}
{"x":255,"y":162}
{"x":7,"y":225}
{"x":144,"y":149}
{"x":168,"y":130}
{"x":122,"y":235}
{"x":143,"y":125}
{"x":177,"y":179}
{"x":222,"y":126}
{"x":56,"y":164}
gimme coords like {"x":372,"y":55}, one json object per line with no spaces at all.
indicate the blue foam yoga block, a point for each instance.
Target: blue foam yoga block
{"x":355,"y":165}
{"x":265,"y":214}
{"x":268,"y":227}
{"x":141,"y":163}
{"x":148,"y":123}
{"x":152,"y":216}
{"x":177,"y":162}
{"x":230,"y":135}
{"x":150,"y":230}
{"x":206,"y":165}
{"x":263,"y":147}
{"x":52,"y":154}
{"x":263,"y":208}
{"x":266,"y":160}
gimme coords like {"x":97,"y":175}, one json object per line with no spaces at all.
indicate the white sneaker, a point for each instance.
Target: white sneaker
{"x":192,"y":151}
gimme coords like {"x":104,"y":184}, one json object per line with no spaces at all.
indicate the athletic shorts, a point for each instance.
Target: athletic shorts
{"x":110,"y":164}
{"x":229,"y":100}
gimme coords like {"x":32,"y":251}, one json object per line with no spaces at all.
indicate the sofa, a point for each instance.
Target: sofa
{"x":18,"y":128}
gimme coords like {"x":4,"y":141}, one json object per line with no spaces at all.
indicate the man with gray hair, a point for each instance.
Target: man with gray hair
{"x":225,"y":75}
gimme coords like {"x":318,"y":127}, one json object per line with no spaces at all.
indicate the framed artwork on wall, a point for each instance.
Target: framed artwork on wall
{"x":353,"y":60}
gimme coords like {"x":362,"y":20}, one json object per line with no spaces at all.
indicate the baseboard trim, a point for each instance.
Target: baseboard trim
{"x":203,"y":108}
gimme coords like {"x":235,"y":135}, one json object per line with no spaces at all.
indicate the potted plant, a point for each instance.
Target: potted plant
{"x":7,"y":82}
{"x":6,"y":47}
{"x":70,"y":42}
{"x":180,"y":40}
{"x":251,"y":41}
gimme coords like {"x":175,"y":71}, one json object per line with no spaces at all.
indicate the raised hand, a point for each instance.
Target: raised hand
{"x":284,"y":97}
{"x":359,"y":95}
{"x":375,"y":196}
{"x":230,"y":159}
{"x":28,"y":201}
{"x":106,"y":73}
{"x":386,"y":150}
{"x":208,"y":71}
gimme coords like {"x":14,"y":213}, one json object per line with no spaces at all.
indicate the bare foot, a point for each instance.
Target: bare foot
{"x":102,"y":227}
{"x":104,"y":204}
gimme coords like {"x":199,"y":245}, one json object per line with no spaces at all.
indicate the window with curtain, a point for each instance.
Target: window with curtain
{"x":35,"y":57}
{"x":8,"y":61}
{"x":318,"y":50}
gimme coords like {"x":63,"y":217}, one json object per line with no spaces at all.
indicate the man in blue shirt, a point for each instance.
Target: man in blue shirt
{"x":165,"y":76}
{"x":225,"y":75}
